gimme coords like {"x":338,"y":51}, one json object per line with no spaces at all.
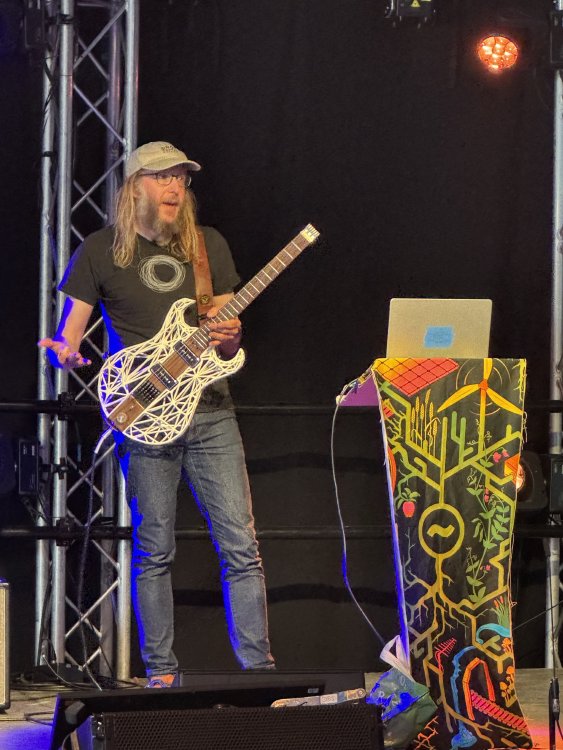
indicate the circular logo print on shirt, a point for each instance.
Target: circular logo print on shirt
{"x":161,"y":273}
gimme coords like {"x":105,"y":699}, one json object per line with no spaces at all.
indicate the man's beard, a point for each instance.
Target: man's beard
{"x":147,"y":212}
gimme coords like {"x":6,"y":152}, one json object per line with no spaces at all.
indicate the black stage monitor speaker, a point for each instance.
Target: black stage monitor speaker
{"x":345,"y":726}
{"x":232,"y":714}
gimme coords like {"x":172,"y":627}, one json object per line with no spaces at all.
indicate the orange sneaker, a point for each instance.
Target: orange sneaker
{"x":163,"y":680}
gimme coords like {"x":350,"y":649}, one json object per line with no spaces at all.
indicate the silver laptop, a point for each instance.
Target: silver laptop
{"x":439,"y":328}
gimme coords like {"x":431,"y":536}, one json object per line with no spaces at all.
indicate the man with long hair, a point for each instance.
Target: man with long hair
{"x":136,"y":270}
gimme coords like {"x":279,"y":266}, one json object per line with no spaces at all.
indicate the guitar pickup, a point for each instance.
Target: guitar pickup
{"x":186,"y":354}
{"x":167,"y":380}
{"x":145,"y":393}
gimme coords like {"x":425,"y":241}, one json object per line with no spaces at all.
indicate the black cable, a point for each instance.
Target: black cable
{"x":553,"y":695}
{"x":59,"y":678}
{"x":21,"y":684}
{"x":44,"y":623}
{"x":372,"y":627}
{"x":541,"y":613}
{"x":34,"y":513}
{"x":41,"y":658}
{"x":31,"y":718}
{"x":42,"y":502}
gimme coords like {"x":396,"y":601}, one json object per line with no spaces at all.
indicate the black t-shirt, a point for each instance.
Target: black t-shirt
{"x":135,"y":300}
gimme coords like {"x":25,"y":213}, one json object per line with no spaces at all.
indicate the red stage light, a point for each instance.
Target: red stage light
{"x":497,"y":53}
{"x":520,"y":478}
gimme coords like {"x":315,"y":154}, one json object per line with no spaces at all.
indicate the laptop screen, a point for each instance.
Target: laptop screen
{"x":458,"y":328}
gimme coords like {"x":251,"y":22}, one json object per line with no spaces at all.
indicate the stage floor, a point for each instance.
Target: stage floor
{"x":20,"y":733}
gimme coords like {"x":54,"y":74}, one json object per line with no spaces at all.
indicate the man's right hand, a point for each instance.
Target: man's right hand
{"x":64,"y":356}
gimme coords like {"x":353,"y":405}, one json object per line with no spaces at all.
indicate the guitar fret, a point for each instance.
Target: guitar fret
{"x":230,"y":310}
{"x":278,"y":264}
{"x":201,"y":337}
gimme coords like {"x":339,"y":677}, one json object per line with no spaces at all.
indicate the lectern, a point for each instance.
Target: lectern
{"x":452,"y":435}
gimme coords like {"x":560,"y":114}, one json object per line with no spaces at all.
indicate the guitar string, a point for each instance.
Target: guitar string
{"x":201,"y":338}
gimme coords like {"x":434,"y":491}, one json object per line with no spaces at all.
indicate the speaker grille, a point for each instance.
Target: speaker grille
{"x":341,"y":727}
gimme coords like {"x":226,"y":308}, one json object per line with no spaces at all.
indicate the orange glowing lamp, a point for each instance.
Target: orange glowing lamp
{"x":520,"y":477}
{"x":497,"y":53}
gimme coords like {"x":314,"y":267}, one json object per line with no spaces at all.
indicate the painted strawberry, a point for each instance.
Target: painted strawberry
{"x":407,"y":502}
{"x":408,"y":508}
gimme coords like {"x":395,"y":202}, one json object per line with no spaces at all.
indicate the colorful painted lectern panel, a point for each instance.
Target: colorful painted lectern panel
{"x":453,"y":433}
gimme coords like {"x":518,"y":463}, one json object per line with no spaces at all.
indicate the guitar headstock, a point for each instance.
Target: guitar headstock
{"x":309,"y":233}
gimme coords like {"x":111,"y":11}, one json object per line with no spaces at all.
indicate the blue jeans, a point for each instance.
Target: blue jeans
{"x":210,"y":456}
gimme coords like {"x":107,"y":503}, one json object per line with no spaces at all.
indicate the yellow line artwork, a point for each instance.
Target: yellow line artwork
{"x":453,"y":432}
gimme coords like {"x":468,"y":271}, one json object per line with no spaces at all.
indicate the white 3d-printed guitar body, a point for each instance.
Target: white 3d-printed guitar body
{"x":165,"y":376}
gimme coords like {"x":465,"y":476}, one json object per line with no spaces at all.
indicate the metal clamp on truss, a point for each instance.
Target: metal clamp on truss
{"x":65,"y":528}
{"x":66,"y":405}
{"x":59,"y":469}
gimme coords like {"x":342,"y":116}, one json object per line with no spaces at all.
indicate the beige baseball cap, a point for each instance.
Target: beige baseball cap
{"x":157,"y":155}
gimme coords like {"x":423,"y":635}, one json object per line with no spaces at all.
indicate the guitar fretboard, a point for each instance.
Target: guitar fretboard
{"x":258,"y":283}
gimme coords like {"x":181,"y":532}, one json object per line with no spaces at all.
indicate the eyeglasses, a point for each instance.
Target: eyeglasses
{"x":164,"y":180}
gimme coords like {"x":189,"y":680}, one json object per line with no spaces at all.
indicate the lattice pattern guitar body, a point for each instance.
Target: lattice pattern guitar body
{"x":150,"y":391}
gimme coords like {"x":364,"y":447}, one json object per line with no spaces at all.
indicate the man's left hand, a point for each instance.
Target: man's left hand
{"x":225,"y":334}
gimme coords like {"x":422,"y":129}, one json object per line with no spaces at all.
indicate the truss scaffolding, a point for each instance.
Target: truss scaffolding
{"x":89,"y":128}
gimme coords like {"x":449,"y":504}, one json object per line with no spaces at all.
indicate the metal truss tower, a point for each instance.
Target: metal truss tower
{"x":553,"y":545}
{"x":89,"y":128}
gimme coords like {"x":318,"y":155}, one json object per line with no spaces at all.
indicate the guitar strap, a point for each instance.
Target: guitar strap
{"x":202,"y":276}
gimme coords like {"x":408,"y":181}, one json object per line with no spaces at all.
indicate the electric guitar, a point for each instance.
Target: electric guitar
{"x":150,"y":391}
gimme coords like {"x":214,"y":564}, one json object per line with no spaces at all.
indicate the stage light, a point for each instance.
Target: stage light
{"x":497,"y":52}
{"x":420,"y":11}
{"x":530,"y":484}
{"x":520,"y":477}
